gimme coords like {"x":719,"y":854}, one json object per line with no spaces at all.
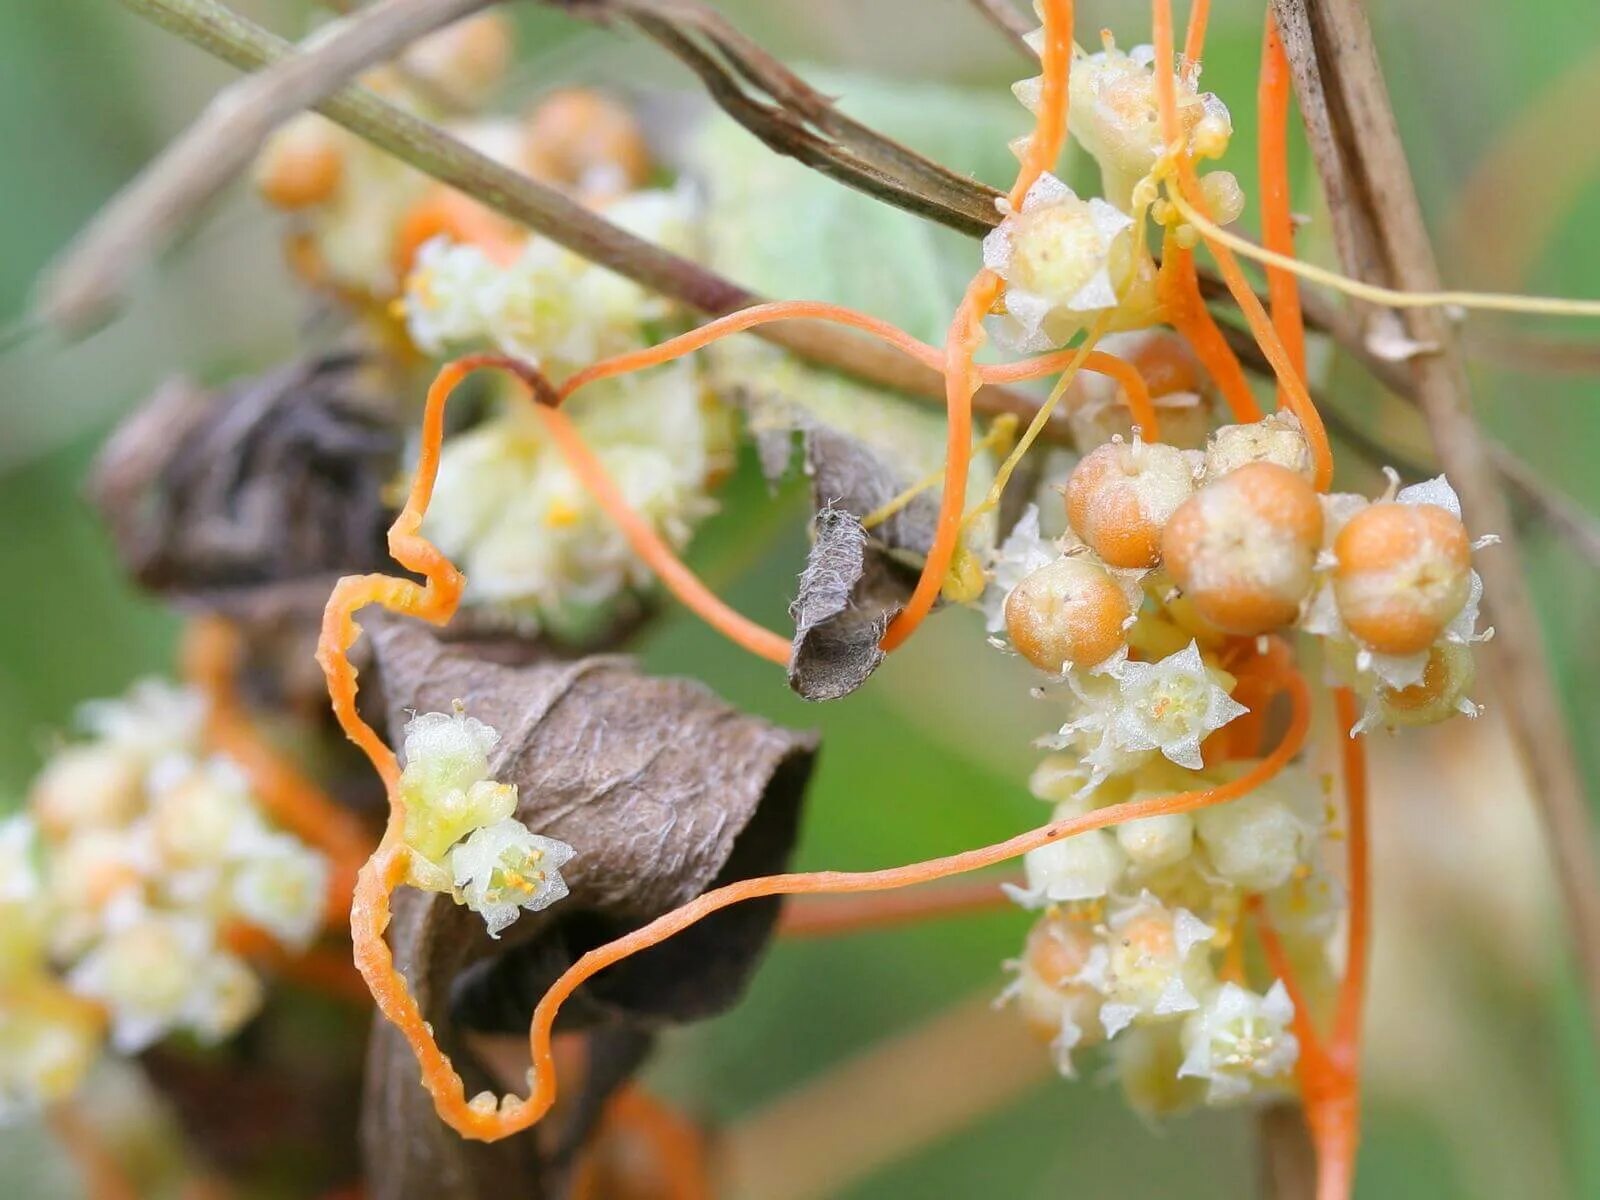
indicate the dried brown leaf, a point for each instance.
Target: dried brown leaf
{"x":664,"y":792}
{"x":251,"y":500}
{"x":855,"y":580}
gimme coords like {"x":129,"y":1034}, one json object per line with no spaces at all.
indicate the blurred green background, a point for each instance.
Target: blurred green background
{"x":1482,"y":1081}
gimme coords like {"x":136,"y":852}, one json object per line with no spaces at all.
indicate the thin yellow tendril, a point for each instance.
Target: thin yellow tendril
{"x":1002,"y":436}
{"x":1040,"y":419}
{"x":1374,"y":293}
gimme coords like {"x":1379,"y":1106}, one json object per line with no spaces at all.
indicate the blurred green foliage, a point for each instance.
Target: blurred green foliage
{"x":932,"y":755}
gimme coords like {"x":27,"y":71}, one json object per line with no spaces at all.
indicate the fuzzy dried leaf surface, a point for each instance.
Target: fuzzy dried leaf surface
{"x":250,"y":500}
{"x":664,"y":791}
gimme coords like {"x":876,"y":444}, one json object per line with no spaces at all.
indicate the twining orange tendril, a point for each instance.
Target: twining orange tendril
{"x":1188,"y":183}
{"x":1140,"y":406}
{"x":517,"y":1115}
{"x":1097,"y":361}
{"x":211,"y":652}
{"x":1277,"y":223}
{"x":435,"y":600}
{"x":102,"y":1176}
{"x":966,"y":328}
{"x":1186,"y":312}
{"x":1329,"y":1072}
{"x":1194,"y":41}
{"x":807,"y":918}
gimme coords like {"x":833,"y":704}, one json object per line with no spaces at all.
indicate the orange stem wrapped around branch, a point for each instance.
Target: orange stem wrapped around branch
{"x":435,"y":600}
{"x":1188,"y":184}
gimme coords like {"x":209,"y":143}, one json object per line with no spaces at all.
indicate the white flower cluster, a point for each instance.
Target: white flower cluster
{"x":461,"y":829}
{"x":1146,"y":617}
{"x":547,"y":305}
{"x":136,"y":854}
{"x":1133,"y":943}
{"x":1069,"y":262}
{"x":532,"y":540}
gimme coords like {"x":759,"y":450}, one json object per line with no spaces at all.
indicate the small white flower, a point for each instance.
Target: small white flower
{"x":503,"y":869}
{"x":147,"y":972}
{"x":1258,"y":841}
{"x":1171,"y":706}
{"x":1056,"y":256}
{"x":1114,"y":115}
{"x":445,"y":294}
{"x":153,"y":718}
{"x":1157,"y":965}
{"x":283,"y":889}
{"x":1240,"y":1042}
{"x":46,"y":1049}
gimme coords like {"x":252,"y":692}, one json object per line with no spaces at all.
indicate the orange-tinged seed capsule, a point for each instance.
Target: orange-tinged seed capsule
{"x":1403,"y":573}
{"x":1056,"y":951}
{"x":1120,"y":496}
{"x":301,"y":165}
{"x":1067,"y":613}
{"x":1438,"y":695}
{"x":586,"y":141}
{"x":1244,"y":546}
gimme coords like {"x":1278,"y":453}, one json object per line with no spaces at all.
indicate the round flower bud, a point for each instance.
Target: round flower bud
{"x":1154,"y":842}
{"x":1224,"y":198}
{"x":1243,"y":547}
{"x":1403,"y":573}
{"x":1068,"y":613}
{"x":1256,"y":841}
{"x":1277,"y":438}
{"x":1145,"y":1061}
{"x":586,"y":141}
{"x":1085,"y":867}
{"x":301,"y":165}
{"x":1120,"y":496}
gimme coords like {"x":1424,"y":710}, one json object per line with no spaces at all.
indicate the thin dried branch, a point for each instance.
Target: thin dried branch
{"x":223,"y":33}
{"x":84,"y":283}
{"x":1359,"y":155}
{"x":795,"y":119}
{"x":1004,"y":16}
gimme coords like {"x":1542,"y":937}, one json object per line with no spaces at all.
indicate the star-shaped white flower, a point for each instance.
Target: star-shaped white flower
{"x":1239,"y":1041}
{"x":1172,"y":706}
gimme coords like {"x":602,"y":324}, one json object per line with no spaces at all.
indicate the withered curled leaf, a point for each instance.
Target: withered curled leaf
{"x":664,"y":792}
{"x":250,"y":500}
{"x":855,"y":580}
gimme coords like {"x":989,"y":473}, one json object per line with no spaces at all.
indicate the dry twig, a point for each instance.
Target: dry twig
{"x":816,"y":132}
{"x":1004,"y":16}
{"x":223,"y":33}
{"x":146,"y":214}
{"x":1359,"y":155}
